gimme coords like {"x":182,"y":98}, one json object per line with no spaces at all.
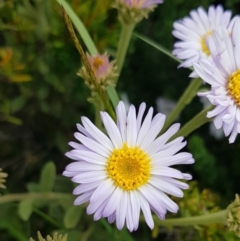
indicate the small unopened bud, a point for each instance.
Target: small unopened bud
{"x":3,"y":175}
{"x":233,"y":216}
{"x":104,"y":71}
{"x":56,"y":237}
{"x":133,"y":11}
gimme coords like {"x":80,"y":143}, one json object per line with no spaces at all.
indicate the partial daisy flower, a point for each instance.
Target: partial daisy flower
{"x":128,"y":169}
{"x":105,"y":71}
{"x":133,"y":11}
{"x":223,"y":74}
{"x":193,"y":31}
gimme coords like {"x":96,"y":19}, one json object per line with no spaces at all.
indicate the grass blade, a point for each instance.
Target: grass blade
{"x":79,"y":27}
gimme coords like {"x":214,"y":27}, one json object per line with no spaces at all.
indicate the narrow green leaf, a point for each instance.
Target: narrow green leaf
{"x":112,"y":93}
{"x":13,"y":120}
{"x":25,"y":209}
{"x":158,"y":47}
{"x":48,"y":176}
{"x":72,"y":217}
{"x":106,"y":225}
{"x":80,"y":27}
{"x":14,"y":231}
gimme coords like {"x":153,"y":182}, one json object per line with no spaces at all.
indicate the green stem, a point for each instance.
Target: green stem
{"x":98,"y":122}
{"x":123,"y":44}
{"x":219,"y":217}
{"x":184,"y":100}
{"x":197,"y":121}
{"x":47,"y":218}
{"x":99,"y":106}
{"x":34,"y":196}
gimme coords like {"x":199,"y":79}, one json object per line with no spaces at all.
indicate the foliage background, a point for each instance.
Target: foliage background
{"x":42,"y":98}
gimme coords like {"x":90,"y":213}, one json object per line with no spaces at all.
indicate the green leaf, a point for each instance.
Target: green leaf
{"x":80,"y":27}
{"x":72,"y":217}
{"x":61,"y":142}
{"x":18,"y":103}
{"x":158,"y":47}
{"x":106,"y":225}
{"x":43,"y":92}
{"x":112,"y":93}
{"x":5,"y":107}
{"x":13,"y":120}
{"x":48,"y":176}
{"x":25,"y":209}
{"x":123,"y":235}
{"x":33,"y":187}
{"x":74,"y":235}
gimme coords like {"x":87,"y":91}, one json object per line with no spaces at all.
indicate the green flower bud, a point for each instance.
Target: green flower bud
{"x":233,"y":216}
{"x":105,"y":72}
{"x":133,"y":11}
{"x":3,"y":175}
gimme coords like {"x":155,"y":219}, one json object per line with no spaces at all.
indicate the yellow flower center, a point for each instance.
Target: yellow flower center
{"x":129,"y":167}
{"x":203,"y":43}
{"x":97,"y":62}
{"x":233,"y":86}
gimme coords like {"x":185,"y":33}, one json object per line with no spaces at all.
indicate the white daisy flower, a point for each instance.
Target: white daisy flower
{"x":193,"y":31}
{"x":223,"y":74}
{"x":127,"y":170}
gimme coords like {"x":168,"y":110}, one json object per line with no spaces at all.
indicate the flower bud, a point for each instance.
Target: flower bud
{"x":233,"y":216}
{"x":133,"y":11}
{"x":104,"y":71}
{"x":56,"y":237}
{"x":3,"y":175}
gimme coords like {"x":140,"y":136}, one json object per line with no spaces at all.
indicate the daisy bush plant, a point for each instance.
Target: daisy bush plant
{"x":129,"y":172}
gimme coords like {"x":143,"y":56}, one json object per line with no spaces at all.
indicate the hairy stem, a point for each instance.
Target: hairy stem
{"x":85,"y":62}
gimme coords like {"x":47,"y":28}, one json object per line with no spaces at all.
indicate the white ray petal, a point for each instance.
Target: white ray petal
{"x":112,"y":130}
{"x":121,"y":211}
{"x":146,"y":211}
{"x":97,"y":134}
{"x":131,"y":127}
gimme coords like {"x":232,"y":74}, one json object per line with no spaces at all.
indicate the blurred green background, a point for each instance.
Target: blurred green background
{"x":42,"y":98}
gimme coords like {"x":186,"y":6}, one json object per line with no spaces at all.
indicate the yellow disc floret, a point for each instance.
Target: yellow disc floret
{"x":203,"y":43}
{"x":129,"y":167}
{"x":233,"y":86}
